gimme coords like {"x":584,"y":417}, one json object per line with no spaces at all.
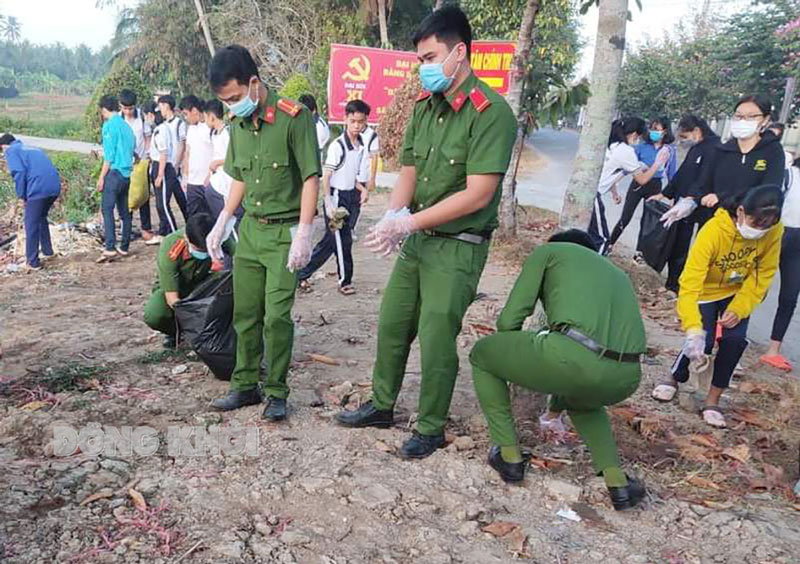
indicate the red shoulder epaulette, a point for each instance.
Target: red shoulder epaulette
{"x":179,"y":250}
{"x":289,"y":107}
{"x":424,"y":95}
{"x":479,"y":99}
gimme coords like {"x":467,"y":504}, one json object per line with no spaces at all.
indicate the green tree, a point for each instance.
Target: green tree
{"x":12,"y":29}
{"x":121,"y":76}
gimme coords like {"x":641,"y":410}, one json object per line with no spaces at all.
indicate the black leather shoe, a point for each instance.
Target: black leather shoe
{"x":629,"y":496}
{"x":511,"y":472}
{"x":275,"y":410}
{"x":169,"y":342}
{"x":420,"y":446}
{"x":235,"y":400}
{"x":366,"y":416}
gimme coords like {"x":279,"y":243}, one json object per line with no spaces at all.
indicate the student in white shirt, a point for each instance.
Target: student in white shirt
{"x":158,"y":152}
{"x":197,"y":156}
{"x":141,"y":132}
{"x":219,"y":183}
{"x":343,"y":181}
{"x":323,"y":129}
{"x":176,"y":129}
{"x":373,"y":148}
{"x":620,"y":162}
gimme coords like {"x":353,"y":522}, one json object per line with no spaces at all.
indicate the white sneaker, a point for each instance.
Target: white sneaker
{"x":156,"y":240}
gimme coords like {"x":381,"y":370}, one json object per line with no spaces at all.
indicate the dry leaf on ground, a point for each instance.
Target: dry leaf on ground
{"x":704,"y":440}
{"x":517,"y":540}
{"x":34,"y":405}
{"x":701,"y":482}
{"x":751,"y":417}
{"x":138,"y":500}
{"x":324,"y":359}
{"x":739,"y":452}
{"x":499,"y":528}
{"x":95,"y":496}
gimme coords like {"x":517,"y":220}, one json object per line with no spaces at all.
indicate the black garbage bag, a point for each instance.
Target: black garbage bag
{"x":655,"y":241}
{"x":205,"y":321}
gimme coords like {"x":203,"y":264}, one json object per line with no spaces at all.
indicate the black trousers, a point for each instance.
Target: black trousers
{"x":598,"y":226}
{"x":169,"y":187}
{"x":196,"y":199}
{"x":338,"y":242}
{"x":636,"y":193}
{"x":790,"y":282}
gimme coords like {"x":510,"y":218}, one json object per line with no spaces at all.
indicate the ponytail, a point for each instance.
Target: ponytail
{"x":621,"y":128}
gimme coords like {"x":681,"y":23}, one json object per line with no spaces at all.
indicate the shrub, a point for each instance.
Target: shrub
{"x":295,"y":86}
{"x":121,"y":76}
{"x":392,"y":127}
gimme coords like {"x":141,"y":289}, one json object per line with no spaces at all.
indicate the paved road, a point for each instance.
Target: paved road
{"x":545,"y":189}
{"x":59,"y":144}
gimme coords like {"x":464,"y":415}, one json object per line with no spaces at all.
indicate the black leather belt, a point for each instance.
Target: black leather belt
{"x":277,"y":220}
{"x":594,"y":346}
{"x":471,"y":238}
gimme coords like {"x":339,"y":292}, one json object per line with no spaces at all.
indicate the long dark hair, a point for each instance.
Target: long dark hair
{"x":668,"y":138}
{"x":691,"y":121}
{"x":621,"y":128}
{"x":763,"y":203}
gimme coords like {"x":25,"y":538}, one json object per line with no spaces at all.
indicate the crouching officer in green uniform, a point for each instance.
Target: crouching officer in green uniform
{"x":183,"y":264}
{"x":273,"y":159}
{"x":587,"y":358}
{"x":457,"y":149}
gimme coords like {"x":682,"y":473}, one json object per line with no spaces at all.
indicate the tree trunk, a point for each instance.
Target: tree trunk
{"x":508,"y":204}
{"x":382,"y":22}
{"x":600,"y":110}
{"x":204,"y":25}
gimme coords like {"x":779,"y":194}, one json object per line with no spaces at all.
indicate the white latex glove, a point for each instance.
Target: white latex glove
{"x":328,"y":206}
{"x":662,"y":157}
{"x":682,"y":209}
{"x":300,"y":251}
{"x":219,"y":234}
{"x":694,"y":347}
{"x":390,"y":231}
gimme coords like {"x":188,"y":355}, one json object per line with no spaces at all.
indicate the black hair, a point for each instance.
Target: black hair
{"x":215,"y":107}
{"x":449,"y":25}
{"x":233,"y":62}
{"x":359,"y":106}
{"x":621,"y":128}
{"x":7,"y":139}
{"x":763,"y":203}
{"x":127,"y":97}
{"x":690,"y":122}
{"x":309,"y":102}
{"x":168,"y":99}
{"x":198,"y":226}
{"x":668,"y":138}
{"x":576,"y":236}
{"x":780,"y":127}
{"x":191,"y":102}
{"x":109,"y":103}
{"x":762,"y":102}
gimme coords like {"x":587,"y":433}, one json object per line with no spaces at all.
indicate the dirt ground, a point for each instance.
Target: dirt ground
{"x":75,"y":351}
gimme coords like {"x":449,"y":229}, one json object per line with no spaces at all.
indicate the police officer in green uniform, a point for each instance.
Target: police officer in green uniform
{"x":273,"y":159}
{"x":183,"y":264}
{"x":457,"y":149}
{"x":587,"y":357}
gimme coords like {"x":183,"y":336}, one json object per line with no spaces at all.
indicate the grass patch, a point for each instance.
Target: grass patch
{"x":165,"y":355}
{"x":45,"y":115}
{"x":69,"y":376}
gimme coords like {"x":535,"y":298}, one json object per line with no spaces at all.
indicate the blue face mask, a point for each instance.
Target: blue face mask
{"x":199,"y":255}
{"x":433,"y":78}
{"x":243,"y":107}
{"x":655,"y":136}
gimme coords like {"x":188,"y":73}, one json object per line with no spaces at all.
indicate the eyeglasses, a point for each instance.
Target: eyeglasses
{"x":748,"y":117}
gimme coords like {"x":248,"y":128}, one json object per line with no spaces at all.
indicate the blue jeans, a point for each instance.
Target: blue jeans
{"x":37,"y":231}
{"x":115,"y":194}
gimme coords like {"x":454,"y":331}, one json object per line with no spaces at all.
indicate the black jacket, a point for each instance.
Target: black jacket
{"x":688,"y":180}
{"x":729,"y":173}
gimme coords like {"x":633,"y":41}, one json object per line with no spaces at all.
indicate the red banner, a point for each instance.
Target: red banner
{"x":373,"y":75}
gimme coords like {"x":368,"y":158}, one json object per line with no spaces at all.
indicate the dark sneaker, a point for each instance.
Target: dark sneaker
{"x":275,"y":410}
{"x":366,"y":416}
{"x":420,"y":446}
{"x":169,"y":342}
{"x":235,"y":400}
{"x":629,"y":496}
{"x":511,"y":472}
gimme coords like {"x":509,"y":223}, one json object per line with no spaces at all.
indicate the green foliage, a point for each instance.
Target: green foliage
{"x":297,"y":85}
{"x":563,"y":101}
{"x":66,"y":63}
{"x":121,"y":76}
{"x":57,"y":129}
{"x":79,"y":200}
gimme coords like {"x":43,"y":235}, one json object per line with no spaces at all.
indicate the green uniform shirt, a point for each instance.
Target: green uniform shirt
{"x":183,"y":275}
{"x":273,"y":156}
{"x":449,"y":138}
{"x":579,"y":288}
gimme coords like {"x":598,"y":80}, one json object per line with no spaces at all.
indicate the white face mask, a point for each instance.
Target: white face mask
{"x":744,"y":129}
{"x":750,"y":232}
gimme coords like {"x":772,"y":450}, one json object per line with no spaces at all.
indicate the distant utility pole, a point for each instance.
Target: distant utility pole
{"x":704,"y":16}
{"x":204,"y":25}
{"x":788,"y":98}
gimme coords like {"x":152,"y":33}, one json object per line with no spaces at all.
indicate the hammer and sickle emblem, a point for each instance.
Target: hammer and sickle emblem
{"x":359,"y":69}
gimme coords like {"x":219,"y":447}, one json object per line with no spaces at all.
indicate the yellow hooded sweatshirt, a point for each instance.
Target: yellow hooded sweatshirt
{"x":722,"y":264}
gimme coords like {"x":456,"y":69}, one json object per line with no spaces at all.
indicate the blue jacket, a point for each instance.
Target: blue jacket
{"x":646,"y":152}
{"x":34,"y":175}
{"x":119,"y":144}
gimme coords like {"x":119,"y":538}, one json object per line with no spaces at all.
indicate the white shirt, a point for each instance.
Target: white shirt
{"x":160,"y":142}
{"x":371,"y":143}
{"x":789,"y":159}
{"x":620,"y":161}
{"x":198,"y":140}
{"x":791,"y":203}
{"x":323,"y":133}
{"x":141,"y":130}
{"x":346,"y":161}
{"x":176,"y":129}
{"x":220,"y":180}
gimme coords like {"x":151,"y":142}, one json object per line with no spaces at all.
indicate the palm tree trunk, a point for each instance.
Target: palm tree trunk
{"x":382,"y":22}
{"x":507,"y":214}
{"x":600,"y":110}
{"x":204,"y":25}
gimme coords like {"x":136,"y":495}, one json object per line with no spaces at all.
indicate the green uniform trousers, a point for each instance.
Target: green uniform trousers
{"x":433,"y":283}
{"x":580,"y":382}
{"x":263,"y":295}
{"x":158,"y":315}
